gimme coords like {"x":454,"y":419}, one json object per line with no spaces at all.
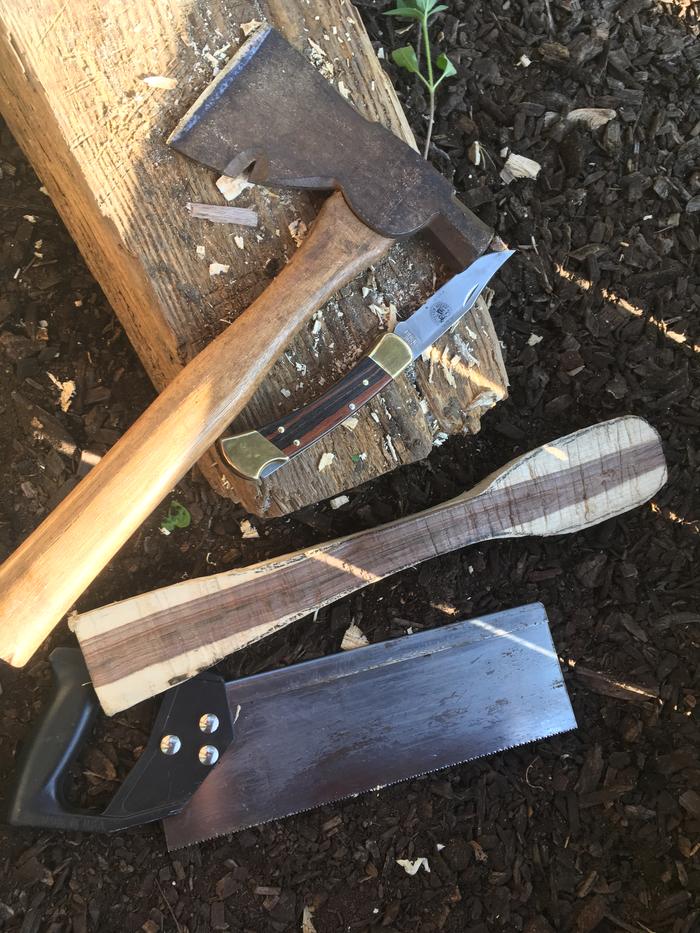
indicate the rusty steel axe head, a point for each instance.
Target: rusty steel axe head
{"x":271,"y":109}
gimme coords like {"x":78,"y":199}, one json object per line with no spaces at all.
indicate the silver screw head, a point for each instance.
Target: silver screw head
{"x":365,"y":382}
{"x":297,"y":442}
{"x":280,"y":430}
{"x":208,"y":723}
{"x":170,"y":744}
{"x":208,"y":755}
{"x":352,"y":406}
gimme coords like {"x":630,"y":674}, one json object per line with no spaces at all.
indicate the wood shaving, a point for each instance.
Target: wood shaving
{"x":387,"y":314}
{"x":523,"y":62}
{"x":448,"y":364}
{"x":592,"y":117}
{"x":231,"y":187}
{"x":217,"y":268}
{"x":250,"y":26}
{"x":534,"y":339}
{"x":474,"y":153}
{"x":325,"y":461}
{"x":248,"y":530}
{"x":412,"y":866}
{"x":339,"y":502}
{"x":518,"y":166}
{"x":481,"y":856}
{"x":67,"y":390}
{"x":350,"y":423}
{"x":297,"y":231}
{"x":319,"y":59}
{"x":238,"y":240}
{"x":353,"y":638}
{"x":390,"y":447}
{"x":307,"y":924}
{"x":201,"y":251}
{"x":218,"y":214}
{"x":343,"y":90}
{"x":160,"y":82}
{"x":439,"y":439}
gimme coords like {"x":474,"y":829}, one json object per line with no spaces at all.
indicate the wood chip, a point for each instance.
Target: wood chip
{"x":160,"y":82}
{"x":298,"y":230}
{"x":307,"y":925}
{"x":217,"y":268}
{"x":325,"y":461}
{"x":222,"y":214}
{"x":351,"y":423}
{"x":592,"y":117}
{"x":353,"y":638}
{"x":339,"y":502}
{"x":411,"y":866}
{"x":248,"y":530}
{"x":250,"y":26}
{"x":67,"y":390}
{"x":231,"y":187}
{"x":518,"y":166}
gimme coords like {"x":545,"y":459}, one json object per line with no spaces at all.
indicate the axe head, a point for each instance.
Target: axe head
{"x":271,"y":109}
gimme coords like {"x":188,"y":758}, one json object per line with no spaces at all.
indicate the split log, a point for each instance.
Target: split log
{"x":74,"y":92}
{"x":141,"y":646}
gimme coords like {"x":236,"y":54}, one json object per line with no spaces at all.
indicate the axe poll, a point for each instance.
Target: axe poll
{"x":270,"y":108}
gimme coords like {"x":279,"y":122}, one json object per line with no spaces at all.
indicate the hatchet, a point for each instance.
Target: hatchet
{"x":269,"y":107}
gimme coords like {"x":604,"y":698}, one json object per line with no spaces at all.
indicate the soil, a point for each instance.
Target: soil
{"x":599,"y":315}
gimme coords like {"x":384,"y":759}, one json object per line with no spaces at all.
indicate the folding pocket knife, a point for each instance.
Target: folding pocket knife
{"x":257,"y":454}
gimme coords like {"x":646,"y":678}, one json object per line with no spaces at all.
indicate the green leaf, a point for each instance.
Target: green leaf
{"x":406,"y":12}
{"x":406,"y":58}
{"x":445,"y":66}
{"x":177,"y":517}
{"x":430,"y":7}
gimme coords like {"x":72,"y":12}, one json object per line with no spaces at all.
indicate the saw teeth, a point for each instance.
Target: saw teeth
{"x":370,"y":790}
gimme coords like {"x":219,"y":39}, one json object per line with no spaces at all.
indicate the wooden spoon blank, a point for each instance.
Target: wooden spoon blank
{"x":141,"y":646}
{"x":40,"y":582}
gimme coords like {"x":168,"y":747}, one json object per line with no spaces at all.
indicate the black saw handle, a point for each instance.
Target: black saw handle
{"x":159,"y":784}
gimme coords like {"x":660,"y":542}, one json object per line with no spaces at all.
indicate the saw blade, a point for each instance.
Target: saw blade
{"x":335,"y":727}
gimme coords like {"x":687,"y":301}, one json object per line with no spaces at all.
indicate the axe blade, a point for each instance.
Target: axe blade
{"x":270,"y":108}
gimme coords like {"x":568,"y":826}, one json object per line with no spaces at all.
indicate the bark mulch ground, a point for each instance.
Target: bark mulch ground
{"x":599,"y":316}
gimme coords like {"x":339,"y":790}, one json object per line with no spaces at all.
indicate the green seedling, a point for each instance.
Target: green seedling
{"x":177,"y":517}
{"x":406,"y":57}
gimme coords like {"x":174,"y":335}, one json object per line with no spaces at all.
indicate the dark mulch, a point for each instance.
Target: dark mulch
{"x":596,"y":830}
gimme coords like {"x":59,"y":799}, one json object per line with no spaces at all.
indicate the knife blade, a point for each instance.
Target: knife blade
{"x":258,"y":454}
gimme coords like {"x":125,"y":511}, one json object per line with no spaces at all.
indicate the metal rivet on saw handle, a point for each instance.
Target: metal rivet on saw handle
{"x":170,"y":744}
{"x":208,"y":722}
{"x":208,"y":755}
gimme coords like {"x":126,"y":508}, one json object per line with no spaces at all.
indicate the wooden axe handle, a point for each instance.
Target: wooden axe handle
{"x":48,"y":572}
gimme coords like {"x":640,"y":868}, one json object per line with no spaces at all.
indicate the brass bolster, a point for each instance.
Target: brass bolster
{"x":250,"y":453}
{"x":393,"y":354}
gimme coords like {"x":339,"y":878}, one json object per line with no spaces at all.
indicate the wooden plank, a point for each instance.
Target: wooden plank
{"x":143,"y":645}
{"x":73,"y":92}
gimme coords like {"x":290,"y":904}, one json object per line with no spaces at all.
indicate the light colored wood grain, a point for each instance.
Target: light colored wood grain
{"x":72,"y":91}
{"x":141,"y":646}
{"x":47,"y":573}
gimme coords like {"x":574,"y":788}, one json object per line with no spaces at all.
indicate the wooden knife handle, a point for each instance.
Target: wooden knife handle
{"x":258,"y":454}
{"x":49,"y":571}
